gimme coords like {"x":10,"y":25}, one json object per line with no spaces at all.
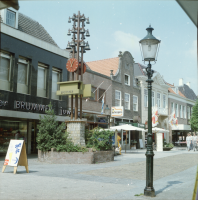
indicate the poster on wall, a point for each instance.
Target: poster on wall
{"x":16,"y":155}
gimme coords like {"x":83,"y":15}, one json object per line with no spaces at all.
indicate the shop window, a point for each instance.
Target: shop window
{"x":5,"y":70}
{"x":56,"y":75}
{"x":22,"y":77}
{"x":101,"y":94}
{"x":158,"y":100}
{"x":126,"y":79}
{"x":127,"y":101}
{"x":93,"y":90}
{"x":153,"y":99}
{"x":10,"y":18}
{"x":145,"y":98}
{"x":135,"y":103}
{"x":117,"y":98}
{"x":41,"y":81}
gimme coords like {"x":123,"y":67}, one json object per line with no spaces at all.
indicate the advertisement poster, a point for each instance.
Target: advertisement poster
{"x":13,"y":153}
{"x":117,"y":111}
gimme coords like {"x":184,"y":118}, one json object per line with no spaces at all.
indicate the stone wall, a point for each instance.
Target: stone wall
{"x":53,"y":157}
{"x":76,"y":130}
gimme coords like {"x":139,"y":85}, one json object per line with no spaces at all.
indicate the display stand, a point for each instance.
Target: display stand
{"x":16,"y":155}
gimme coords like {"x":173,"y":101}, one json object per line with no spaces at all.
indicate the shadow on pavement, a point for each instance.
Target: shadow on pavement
{"x":170,"y":183}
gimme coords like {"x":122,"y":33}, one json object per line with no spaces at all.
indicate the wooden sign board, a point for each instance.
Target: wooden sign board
{"x":16,"y":155}
{"x":141,"y":144}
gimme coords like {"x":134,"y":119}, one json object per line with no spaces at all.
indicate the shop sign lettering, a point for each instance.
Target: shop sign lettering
{"x":67,"y":92}
{"x":3,"y":103}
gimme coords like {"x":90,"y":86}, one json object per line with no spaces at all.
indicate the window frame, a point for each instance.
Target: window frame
{"x":164,"y":101}
{"x":94,"y":94}
{"x":15,"y":14}
{"x":46,"y":68}
{"x":172,"y":108}
{"x":9,"y":56}
{"x":21,"y":85}
{"x":59,"y":71}
{"x":188,"y":112}
{"x":136,"y":104}
{"x":128,"y":79}
{"x":159,"y":100}
{"x":118,"y":99}
{"x":126,"y":101}
{"x":176,"y":110}
{"x":100,"y":99}
{"x":184,"y":112}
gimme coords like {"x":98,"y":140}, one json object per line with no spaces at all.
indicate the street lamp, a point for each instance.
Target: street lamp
{"x":149,"y":46}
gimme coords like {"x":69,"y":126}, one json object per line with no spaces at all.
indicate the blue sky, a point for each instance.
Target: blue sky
{"x":119,"y":25}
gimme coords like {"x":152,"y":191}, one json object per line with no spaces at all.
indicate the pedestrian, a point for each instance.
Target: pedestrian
{"x":194,"y":141}
{"x":191,"y":142}
{"x":188,"y":142}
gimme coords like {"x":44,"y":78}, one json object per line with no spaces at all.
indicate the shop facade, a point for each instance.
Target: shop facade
{"x":31,"y":65}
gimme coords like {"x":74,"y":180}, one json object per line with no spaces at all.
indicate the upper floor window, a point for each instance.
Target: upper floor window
{"x":93,"y":90}
{"x":41,"y":80}
{"x":22,"y":77}
{"x":126,"y":79}
{"x":145,"y":98}
{"x":5,"y":71}
{"x":188,"y":112}
{"x":158,"y":100}
{"x":102,"y":93}
{"x":176,"y":110}
{"x":164,"y":101}
{"x":10,"y":18}
{"x":56,"y":76}
{"x":135,"y":103}
{"x":184,"y":110}
{"x":153,"y":99}
{"x":181,"y":111}
{"x":117,"y":98}
{"x":127,"y":101}
{"x":172,"y":108}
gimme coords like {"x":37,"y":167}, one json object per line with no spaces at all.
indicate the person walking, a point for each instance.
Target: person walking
{"x":194,"y":141}
{"x":188,"y":142}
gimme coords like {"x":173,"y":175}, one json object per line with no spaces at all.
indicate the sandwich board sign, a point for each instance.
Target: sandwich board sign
{"x":16,"y":155}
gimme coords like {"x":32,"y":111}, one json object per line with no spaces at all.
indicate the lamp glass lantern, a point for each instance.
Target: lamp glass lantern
{"x":107,"y":110}
{"x":149,"y":46}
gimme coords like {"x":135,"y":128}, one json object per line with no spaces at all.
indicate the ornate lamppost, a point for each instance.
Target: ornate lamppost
{"x":77,"y":46}
{"x":149,"y":46}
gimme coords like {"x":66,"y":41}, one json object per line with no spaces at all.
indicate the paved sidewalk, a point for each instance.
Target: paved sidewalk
{"x":174,"y":178}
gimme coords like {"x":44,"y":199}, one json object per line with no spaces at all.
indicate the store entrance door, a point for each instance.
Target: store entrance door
{"x":33,"y":138}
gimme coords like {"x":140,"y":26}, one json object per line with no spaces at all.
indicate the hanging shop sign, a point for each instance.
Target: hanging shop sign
{"x":117,"y":111}
{"x":16,"y":155}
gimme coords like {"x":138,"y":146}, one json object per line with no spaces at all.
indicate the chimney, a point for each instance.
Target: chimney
{"x":180,"y":81}
{"x":111,"y":74}
{"x":188,"y":84}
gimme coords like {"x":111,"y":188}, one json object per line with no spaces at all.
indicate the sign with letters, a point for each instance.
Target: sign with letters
{"x":117,"y":111}
{"x":16,"y":155}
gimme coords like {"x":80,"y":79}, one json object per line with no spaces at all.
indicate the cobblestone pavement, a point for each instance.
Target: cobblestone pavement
{"x":174,"y":178}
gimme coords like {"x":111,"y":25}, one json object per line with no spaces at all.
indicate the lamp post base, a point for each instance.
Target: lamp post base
{"x":150,"y":192}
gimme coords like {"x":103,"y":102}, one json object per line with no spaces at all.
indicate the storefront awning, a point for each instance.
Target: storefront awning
{"x":182,"y":127}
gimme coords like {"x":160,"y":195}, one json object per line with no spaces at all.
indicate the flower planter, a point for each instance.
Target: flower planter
{"x":167,"y":148}
{"x":54,"y":157}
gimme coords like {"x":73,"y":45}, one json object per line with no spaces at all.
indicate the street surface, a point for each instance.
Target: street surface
{"x":174,"y":178}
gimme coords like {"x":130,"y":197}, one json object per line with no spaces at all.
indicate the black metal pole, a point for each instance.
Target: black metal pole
{"x":149,"y":189}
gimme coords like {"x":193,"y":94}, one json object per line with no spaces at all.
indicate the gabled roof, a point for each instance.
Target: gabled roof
{"x":104,"y":66}
{"x":172,"y":91}
{"x":188,"y":92}
{"x":32,"y":27}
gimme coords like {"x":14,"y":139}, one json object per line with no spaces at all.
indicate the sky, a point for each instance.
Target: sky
{"x":120,"y":25}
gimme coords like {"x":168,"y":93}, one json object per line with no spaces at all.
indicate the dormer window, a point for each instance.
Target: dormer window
{"x":10,"y":18}
{"x":126,"y":79}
